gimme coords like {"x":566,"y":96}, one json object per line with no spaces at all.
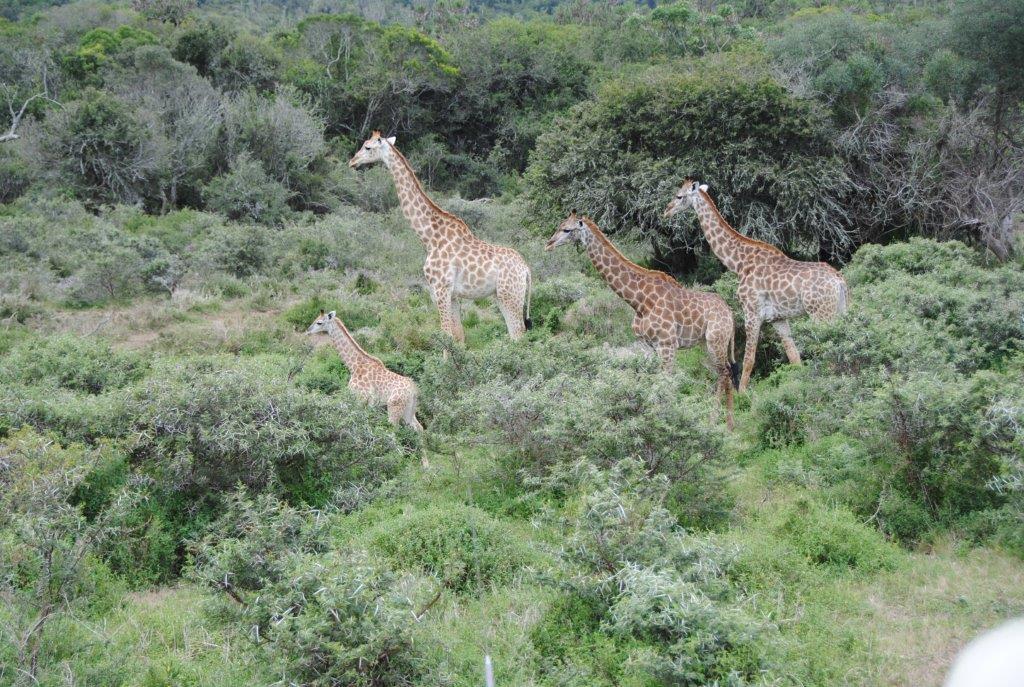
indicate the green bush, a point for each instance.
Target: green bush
{"x":556,"y":403}
{"x":834,"y":537}
{"x":663,"y":594}
{"x":461,"y":546}
{"x":910,"y":377}
{"x":325,"y":617}
{"x":204,"y":429}
{"x":72,"y":362}
{"x":247,"y":193}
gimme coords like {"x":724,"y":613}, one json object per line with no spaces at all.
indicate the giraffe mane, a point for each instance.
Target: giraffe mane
{"x":743,"y":239}
{"x":599,"y":235}
{"x":426,"y":196}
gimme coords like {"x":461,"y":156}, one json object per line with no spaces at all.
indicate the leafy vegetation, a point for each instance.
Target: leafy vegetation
{"x":189,"y":494}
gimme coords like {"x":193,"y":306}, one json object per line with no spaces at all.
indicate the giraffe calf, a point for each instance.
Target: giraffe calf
{"x":369,"y":379}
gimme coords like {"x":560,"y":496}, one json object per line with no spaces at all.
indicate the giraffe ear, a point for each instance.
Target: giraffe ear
{"x":331,"y":315}
{"x":704,"y":188}
{"x":391,"y":140}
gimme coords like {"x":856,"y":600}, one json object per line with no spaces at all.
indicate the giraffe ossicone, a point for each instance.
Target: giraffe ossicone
{"x":773,"y":287}
{"x":667,"y":316}
{"x":458,"y":264}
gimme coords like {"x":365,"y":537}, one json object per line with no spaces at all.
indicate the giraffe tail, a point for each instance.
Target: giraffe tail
{"x":527,"y":322}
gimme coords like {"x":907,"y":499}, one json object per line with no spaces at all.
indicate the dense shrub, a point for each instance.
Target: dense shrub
{"x":247,"y":193}
{"x":910,"y":377}
{"x":326,"y":617}
{"x":833,"y":537}
{"x":658,"y":590}
{"x":205,"y":429}
{"x":560,"y":404}
{"x":461,"y":546}
{"x":48,"y":549}
{"x":75,"y":363}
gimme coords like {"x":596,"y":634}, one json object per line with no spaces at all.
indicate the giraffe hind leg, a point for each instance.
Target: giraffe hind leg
{"x":792,"y":352}
{"x":752,"y":325}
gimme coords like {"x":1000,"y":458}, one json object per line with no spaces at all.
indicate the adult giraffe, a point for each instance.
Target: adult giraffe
{"x":773,"y":287}
{"x":458,"y":264}
{"x":667,"y":315}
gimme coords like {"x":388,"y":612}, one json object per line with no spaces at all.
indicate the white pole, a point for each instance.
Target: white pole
{"x":488,"y":671}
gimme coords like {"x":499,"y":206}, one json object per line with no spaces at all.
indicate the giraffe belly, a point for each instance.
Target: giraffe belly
{"x":473,"y":284}
{"x":774,"y":308}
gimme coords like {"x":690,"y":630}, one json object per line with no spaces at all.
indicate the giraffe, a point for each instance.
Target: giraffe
{"x":369,"y":380}
{"x":667,"y":315}
{"x":458,"y":264}
{"x":773,"y":287}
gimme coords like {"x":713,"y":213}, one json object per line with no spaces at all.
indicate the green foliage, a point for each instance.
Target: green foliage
{"x":206,"y":429}
{"x":461,"y":546}
{"x":75,"y":363}
{"x":662,"y":593}
{"x":100,"y":148}
{"x":834,"y":537}
{"x":621,"y":156}
{"x":990,"y":32}
{"x":591,"y":408}
{"x":247,"y":193}
{"x":911,"y":375}
{"x":48,"y":564}
{"x":98,"y":46}
{"x":326,"y":617}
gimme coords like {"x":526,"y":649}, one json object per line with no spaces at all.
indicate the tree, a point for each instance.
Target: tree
{"x":99,"y":146}
{"x":27,"y":79}
{"x":363,"y":76}
{"x":991,"y":32}
{"x":182,"y":113}
{"x":620,"y":156}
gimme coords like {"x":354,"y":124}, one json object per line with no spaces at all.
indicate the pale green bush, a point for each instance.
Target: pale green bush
{"x":205,"y":428}
{"x":324,"y":616}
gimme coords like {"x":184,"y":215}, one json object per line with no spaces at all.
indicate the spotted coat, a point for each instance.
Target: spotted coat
{"x":772,"y":287}
{"x":369,"y":379}
{"x":667,"y":316}
{"x":458,"y":265}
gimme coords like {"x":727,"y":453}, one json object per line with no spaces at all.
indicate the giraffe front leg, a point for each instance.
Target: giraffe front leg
{"x":667,"y":353}
{"x":752,"y":327}
{"x":446,"y":308}
{"x":792,"y":352}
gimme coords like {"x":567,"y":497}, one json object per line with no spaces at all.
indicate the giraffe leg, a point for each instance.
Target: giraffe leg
{"x":396,"y":409}
{"x":718,"y":357}
{"x":446,"y":308}
{"x":667,"y":354}
{"x":782,"y":329}
{"x":511,"y":297}
{"x":513,"y":314}
{"x":752,"y":327}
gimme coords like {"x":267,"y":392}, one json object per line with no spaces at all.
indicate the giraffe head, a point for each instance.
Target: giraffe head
{"x":686,"y":196}
{"x":322,"y":323}
{"x":371,"y":151}
{"x":572,"y":228}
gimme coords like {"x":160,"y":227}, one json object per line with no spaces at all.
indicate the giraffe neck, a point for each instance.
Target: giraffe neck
{"x":728,"y":245}
{"x":622,"y":275}
{"x":351,"y":353}
{"x":417,"y":206}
